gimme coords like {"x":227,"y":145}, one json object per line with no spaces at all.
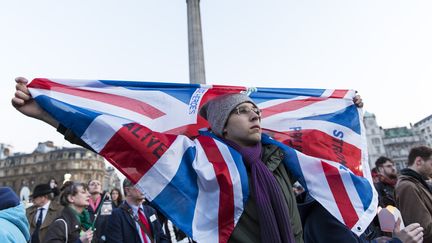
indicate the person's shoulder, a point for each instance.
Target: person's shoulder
{"x":405,"y":185}
{"x":405,"y":181}
{"x":55,"y":206}
{"x":31,"y":209}
{"x":148,"y":207}
{"x":118,"y":212}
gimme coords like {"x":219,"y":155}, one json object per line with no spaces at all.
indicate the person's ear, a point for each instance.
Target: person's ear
{"x":70,"y":198}
{"x":418,"y":161}
{"x":380,"y":169}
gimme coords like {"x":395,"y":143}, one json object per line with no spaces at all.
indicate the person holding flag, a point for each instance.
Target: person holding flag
{"x":230,"y":184}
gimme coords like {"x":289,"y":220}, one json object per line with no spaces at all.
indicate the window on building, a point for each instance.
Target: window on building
{"x":376,"y":141}
{"x":378,"y":149}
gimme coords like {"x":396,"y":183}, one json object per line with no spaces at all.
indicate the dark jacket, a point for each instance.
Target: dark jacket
{"x":319,"y":226}
{"x":54,"y":211}
{"x":247,"y":229}
{"x":56,"y":231}
{"x":385,"y":194}
{"x":122,"y":228}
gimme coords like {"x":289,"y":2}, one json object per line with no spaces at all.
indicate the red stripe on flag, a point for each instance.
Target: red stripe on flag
{"x":321,"y":145}
{"x":134,"y":149}
{"x":226,"y":194}
{"x":190,"y":130}
{"x":339,"y":93}
{"x":340,"y":195}
{"x":289,"y":106}
{"x":117,"y":100}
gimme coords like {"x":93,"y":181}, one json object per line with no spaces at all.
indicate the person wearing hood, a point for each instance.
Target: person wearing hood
{"x":14,"y":225}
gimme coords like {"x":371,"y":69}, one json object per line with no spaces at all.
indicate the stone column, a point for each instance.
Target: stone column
{"x":196,"y":52}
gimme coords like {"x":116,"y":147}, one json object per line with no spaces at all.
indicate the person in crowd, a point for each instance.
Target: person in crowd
{"x":116,"y":197}
{"x":14,"y":226}
{"x":98,"y":199}
{"x":387,"y":180}
{"x":43,"y":211}
{"x":54,"y":187}
{"x":134,"y":221}
{"x":73,"y":224}
{"x":413,"y":195}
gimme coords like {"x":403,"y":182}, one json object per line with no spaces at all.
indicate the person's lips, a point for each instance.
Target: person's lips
{"x":256,"y":126}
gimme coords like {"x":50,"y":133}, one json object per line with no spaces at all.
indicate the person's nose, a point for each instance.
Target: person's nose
{"x":254,"y":116}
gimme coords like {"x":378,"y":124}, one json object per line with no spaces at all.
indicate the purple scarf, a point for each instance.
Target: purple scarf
{"x":272,"y":209}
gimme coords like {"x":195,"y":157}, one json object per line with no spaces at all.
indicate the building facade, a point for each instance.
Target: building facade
{"x":395,"y":143}
{"x":374,"y":137}
{"x":23,"y":172}
{"x":398,"y":142}
{"x":424,"y":128}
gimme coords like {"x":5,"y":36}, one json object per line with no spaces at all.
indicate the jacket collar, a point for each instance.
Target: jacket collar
{"x":416,"y":176}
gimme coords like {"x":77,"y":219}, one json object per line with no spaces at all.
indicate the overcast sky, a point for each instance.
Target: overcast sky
{"x":381,"y":48}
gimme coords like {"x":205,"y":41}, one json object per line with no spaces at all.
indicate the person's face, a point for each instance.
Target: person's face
{"x":425,"y":168}
{"x":95,"y":187}
{"x":134,"y":194}
{"x":40,"y":201}
{"x":114,"y":195}
{"x":388,"y":169}
{"x":244,"y":125}
{"x":81,"y":199}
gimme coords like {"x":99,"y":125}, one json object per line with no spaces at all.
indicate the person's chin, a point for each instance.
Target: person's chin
{"x":256,"y":136}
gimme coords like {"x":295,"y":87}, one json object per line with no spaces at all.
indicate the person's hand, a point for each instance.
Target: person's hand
{"x":358,"y":101}
{"x":86,"y":237}
{"x":24,"y":103}
{"x":413,"y":233}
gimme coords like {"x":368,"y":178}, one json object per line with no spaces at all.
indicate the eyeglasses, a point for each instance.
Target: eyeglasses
{"x":245,"y":110}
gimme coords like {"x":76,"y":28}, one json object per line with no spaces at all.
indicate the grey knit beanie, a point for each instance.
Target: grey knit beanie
{"x":217,"y":110}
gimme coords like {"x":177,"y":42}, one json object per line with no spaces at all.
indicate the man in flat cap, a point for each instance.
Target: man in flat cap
{"x":43,"y":211}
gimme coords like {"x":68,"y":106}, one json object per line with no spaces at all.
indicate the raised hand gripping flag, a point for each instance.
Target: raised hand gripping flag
{"x":150,"y":132}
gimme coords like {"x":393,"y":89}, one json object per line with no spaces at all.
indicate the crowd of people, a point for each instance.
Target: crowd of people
{"x":276,"y":211}
{"x":82,"y":212}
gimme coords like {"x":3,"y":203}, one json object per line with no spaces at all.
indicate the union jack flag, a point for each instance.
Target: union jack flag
{"x":153,"y":134}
